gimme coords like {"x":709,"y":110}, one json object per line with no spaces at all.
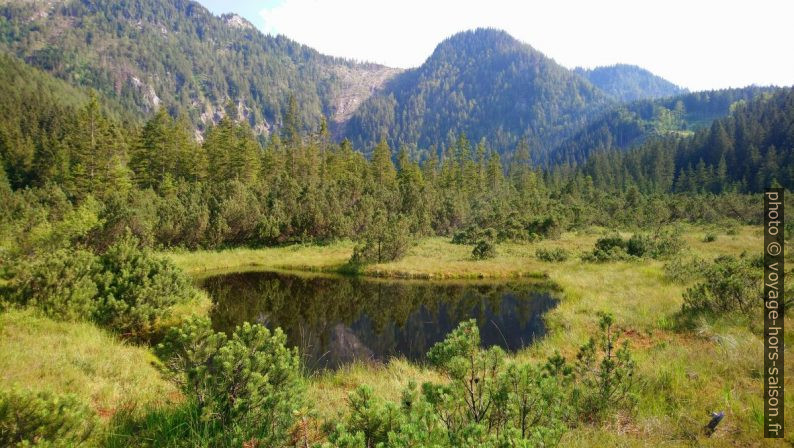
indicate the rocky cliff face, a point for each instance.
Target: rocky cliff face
{"x":357,"y":84}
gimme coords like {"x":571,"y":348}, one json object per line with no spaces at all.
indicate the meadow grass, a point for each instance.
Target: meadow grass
{"x":39,"y":354}
{"x":296,"y":257}
{"x":684,"y":374}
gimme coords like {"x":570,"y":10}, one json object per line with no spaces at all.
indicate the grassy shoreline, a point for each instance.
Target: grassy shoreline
{"x":686,"y":373}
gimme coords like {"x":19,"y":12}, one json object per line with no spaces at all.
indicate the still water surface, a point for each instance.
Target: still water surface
{"x":334,"y":320}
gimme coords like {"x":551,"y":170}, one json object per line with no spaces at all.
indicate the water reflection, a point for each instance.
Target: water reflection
{"x":334,"y":319}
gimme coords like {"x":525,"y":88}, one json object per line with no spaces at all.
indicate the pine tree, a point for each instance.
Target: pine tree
{"x":383,"y":171}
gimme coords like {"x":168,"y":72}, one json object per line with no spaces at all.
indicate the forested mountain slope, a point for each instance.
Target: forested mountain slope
{"x":631,"y":124}
{"x":484,"y":83}
{"x":37,"y":118}
{"x":148,"y":53}
{"x":746,"y":151}
{"x":629,"y":82}
{"x":143,"y":54}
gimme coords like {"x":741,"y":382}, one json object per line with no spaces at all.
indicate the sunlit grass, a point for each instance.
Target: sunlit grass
{"x":684,"y":374}
{"x":40,"y":354}
{"x":328,"y":391}
{"x":301,"y":257}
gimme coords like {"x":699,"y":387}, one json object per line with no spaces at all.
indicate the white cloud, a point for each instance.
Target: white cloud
{"x":697,"y":44}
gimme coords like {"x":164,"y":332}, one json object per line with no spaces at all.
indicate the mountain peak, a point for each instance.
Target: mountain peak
{"x":479,"y":40}
{"x":483,"y":82}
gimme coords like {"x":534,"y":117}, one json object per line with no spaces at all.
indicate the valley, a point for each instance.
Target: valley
{"x":215,"y":237}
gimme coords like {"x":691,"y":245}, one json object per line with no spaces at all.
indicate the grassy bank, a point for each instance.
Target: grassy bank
{"x":298,"y":257}
{"x":685,"y":374}
{"x":37,"y":353}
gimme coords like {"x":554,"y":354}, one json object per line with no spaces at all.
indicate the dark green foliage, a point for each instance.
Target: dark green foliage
{"x":385,"y":240}
{"x":608,"y":248}
{"x":247,"y":387}
{"x":555,"y":255}
{"x":472,"y":234}
{"x":640,"y":245}
{"x":665,"y":243}
{"x":614,"y":248}
{"x":710,"y":237}
{"x":547,"y":227}
{"x":136,"y":290}
{"x":511,"y":228}
{"x":231,"y":191}
{"x":125,"y":290}
{"x":613,"y":241}
{"x":622,"y":127}
{"x":62,"y":284}
{"x":167,"y":152}
{"x":604,"y":373}
{"x":729,"y":285}
{"x":43,"y":420}
{"x":484,"y":249}
{"x":746,"y":151}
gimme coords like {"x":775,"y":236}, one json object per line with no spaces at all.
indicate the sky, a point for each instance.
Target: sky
{"x":697,"y":44}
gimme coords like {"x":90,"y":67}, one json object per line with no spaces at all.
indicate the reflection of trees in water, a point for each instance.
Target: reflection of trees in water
{"x":335,"y":319}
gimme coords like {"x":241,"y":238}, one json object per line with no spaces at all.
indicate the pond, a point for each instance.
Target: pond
{"x":334,"y":320}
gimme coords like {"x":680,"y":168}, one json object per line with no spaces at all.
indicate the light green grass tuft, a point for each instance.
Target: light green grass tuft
{"x":40,"y":354}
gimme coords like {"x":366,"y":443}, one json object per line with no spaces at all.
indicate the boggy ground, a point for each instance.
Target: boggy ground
{"x":686,"y":373}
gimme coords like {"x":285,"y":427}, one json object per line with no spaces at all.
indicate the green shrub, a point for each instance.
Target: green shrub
{"x":510,"y":228}
{"x":383,"y":241}
{"x":604,"y":374}
{"x":684,"y":271}
{"x":484,"y":249}
{"x":469,"y":235}
{"x":60,"y":283}
{"x":513,"y":229}
{"x":247,"y":387}
{"x":729,"y":285}
{"x":489,"y":400}
{"x":710,"y":237}
{"x":666,"y":244}
{"x":125,"y":289}
{"x":136,"y":290}
{"x":610,"y":242}
{"x":615,"y":248}
{"x":43,"y":419}
{"x":547,"y":227}
{"x":555,"y":255}
{"x":66,"y":230}
{"x":601,"y":256}
{"x":640,"y":245}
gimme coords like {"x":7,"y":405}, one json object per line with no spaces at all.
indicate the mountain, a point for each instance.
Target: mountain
{"x":144,"y":54}
{"x":148,"y":53}
{"x":484,"y":83}
{"x":629,"y":82}
{"x":631,"y":124}
{"x":746,"y":151}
